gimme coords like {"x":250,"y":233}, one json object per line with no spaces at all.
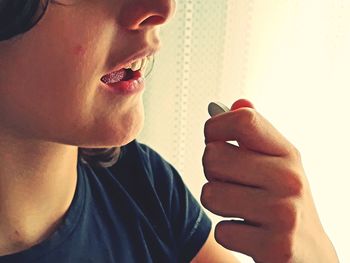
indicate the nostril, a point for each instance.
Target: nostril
{"x":153,"y":20}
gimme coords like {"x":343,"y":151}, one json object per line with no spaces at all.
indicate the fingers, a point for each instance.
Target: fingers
{"x":250,"y":129}
{"x":231,"y":200}
{"x":228,"y":163}
{"x":261,"y":181}
{"x":238,"y":236}
{"x":256,"y":206}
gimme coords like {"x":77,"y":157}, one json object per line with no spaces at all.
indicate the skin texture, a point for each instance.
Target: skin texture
{"x":52,"y":100}
{"x":263,"y":182}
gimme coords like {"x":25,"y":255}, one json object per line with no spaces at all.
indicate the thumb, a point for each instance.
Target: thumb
{"x":241,"y":103}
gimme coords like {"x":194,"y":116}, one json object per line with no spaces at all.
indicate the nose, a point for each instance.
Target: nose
{"x":138,"y":14}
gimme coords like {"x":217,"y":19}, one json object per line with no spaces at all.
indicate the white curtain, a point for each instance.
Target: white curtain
{"x":291,"y":58}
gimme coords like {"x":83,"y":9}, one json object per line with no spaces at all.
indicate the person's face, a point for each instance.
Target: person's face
{"x":50,"y":87}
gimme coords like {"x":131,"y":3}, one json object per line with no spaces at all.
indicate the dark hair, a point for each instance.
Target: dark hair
{"x":18,"y":17}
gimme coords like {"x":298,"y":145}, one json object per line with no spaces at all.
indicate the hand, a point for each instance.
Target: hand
{"x":261,"y":181}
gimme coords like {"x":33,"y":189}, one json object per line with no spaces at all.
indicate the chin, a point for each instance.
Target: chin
{"x":108,"y":139}
{"x":112,"y":130}
{"x":129,"y":132}
{"x":121,"y":141}
{"x":116,"y":135}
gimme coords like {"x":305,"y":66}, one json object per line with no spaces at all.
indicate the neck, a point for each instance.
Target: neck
{"x":37,"y":186}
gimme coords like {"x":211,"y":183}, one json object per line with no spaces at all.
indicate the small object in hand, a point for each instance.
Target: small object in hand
{"x":215,"y":108}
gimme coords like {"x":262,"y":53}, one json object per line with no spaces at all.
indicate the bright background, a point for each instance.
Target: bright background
{"x":291,"y":58}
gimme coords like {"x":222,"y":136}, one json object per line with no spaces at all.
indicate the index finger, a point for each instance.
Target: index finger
{"x":250,"y":129}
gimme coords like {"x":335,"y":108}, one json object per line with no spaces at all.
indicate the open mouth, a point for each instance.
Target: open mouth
{"x":116,"y":76}
{"x":133,"y":71}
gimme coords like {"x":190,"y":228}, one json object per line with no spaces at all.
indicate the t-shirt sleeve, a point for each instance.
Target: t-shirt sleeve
{"x":189,"y":222}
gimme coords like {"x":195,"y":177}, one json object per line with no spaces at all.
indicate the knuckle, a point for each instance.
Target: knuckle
{"x":285,"y":246}
{"x":293,"y":183}
{"x":205,"y":157}
{"x":285,"y":216}
{"x":209,"y":155}
{"x":206,"y":195}
{"x":207,"y":127}
{"x":280,"y":250}
{"x":219,"y":233}
{"x":295,"y":153}
{"x":247,"y":118}
{"x":206,"y":154}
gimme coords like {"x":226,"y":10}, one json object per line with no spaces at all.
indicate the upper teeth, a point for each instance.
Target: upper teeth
{"x":138,"y":65}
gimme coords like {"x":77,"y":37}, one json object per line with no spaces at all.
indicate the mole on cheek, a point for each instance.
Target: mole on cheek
{"x":79,"y":50}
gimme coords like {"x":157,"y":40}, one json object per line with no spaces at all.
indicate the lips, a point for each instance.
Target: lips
{"x":127,"y":73}
{"x":124,"y":83}
{"x":120,"y":73}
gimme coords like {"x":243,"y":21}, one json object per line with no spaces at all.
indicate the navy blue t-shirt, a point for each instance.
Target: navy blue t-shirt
{"x":138,"y":210}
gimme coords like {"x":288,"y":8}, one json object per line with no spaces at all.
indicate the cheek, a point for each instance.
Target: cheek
{"x":79,"y":50}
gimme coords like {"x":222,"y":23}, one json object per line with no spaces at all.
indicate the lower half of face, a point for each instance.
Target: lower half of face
{"x":50,"y":87}
{"x":53,"y":109}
